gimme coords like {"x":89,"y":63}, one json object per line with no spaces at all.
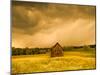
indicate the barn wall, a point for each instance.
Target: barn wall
{"x":56,"y":51}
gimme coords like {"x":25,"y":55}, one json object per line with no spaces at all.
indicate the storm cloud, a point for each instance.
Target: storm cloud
{"x":36,"y":24}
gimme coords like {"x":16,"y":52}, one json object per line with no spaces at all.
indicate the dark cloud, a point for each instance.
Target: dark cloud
{"x":28,"y":15}
{"x":35,"y":18}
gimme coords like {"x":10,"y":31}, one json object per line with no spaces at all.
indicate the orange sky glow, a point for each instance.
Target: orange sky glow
{"x":37,"y":24}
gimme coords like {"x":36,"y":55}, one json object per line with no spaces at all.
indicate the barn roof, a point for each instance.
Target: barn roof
{"x":57,"y":44}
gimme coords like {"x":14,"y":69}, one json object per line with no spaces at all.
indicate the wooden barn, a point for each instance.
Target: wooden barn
{"x":57,"y":50}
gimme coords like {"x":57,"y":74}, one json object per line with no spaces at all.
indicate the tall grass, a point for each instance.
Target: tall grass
{"x":44,"y":63}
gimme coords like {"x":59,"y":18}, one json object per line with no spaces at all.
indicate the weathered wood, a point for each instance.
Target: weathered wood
{"x":57,"y":50}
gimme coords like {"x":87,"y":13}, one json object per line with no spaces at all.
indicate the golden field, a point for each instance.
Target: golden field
{"x":72,"y":60}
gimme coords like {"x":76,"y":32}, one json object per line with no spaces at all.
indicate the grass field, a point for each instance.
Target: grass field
{"x":72,"y":60}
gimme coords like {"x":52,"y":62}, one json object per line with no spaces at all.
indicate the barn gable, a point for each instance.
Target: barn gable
{"x":56,"y":50}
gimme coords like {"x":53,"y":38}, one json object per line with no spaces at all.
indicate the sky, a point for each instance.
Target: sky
{"x":36,"y":24}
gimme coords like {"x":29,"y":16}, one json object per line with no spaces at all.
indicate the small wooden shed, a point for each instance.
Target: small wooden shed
{"x":57,"y":50}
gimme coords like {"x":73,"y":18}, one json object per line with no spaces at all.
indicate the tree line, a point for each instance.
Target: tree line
{"x":32,"y":51}
{"x":29,"y":51}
